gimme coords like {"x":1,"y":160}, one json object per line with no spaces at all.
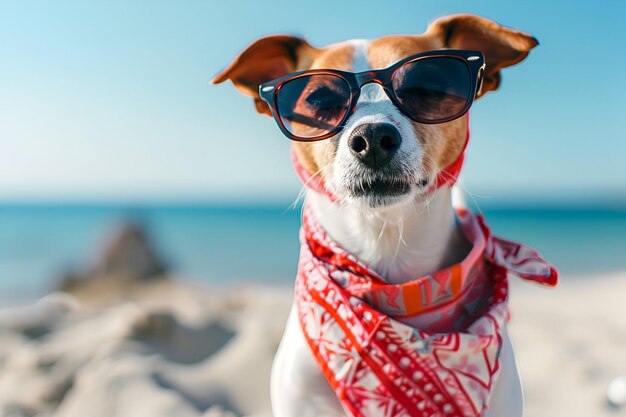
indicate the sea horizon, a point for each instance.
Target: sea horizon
{"x":222,"y":243}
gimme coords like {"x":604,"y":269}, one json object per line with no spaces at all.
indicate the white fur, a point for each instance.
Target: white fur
{"x":408,"y":238}
{"x":359,"y":59}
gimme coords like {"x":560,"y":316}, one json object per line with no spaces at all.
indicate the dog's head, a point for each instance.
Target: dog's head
{"x":380,"y":157}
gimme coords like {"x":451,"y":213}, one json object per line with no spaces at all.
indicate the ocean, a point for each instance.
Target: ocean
{"x":231,"y":244}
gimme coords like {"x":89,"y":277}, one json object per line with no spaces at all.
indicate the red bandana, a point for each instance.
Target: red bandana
{"x":377,"y":365}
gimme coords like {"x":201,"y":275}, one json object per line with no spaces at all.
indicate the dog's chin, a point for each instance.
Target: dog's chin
{"x":383,"y":193}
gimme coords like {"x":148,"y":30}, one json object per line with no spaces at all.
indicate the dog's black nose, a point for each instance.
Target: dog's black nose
{"x":374,"y":143}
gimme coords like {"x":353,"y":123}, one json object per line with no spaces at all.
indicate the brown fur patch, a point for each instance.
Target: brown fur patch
{"x":442,"y":143}
{"x":335,"y":57}
{"x":388,"y":50}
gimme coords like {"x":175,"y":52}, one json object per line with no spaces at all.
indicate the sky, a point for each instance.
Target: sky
{"x":110,"y":100}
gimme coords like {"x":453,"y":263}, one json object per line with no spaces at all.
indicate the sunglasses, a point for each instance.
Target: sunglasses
{"x":430,"y":87}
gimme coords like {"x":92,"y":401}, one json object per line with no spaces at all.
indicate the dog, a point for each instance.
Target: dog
{"x":379,"y":154}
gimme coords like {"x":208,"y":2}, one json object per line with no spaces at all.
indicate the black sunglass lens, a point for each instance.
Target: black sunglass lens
{"x":433,"y":89}
{"x":313,"y":105}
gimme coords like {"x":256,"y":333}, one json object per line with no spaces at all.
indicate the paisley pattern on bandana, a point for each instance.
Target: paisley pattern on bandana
{"x":378,"y":365}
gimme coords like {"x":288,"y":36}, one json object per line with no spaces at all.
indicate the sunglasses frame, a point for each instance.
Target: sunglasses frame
{"x":473,"y":60}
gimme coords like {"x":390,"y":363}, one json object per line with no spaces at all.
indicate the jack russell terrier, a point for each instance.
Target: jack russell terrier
{"x":401,"y":298}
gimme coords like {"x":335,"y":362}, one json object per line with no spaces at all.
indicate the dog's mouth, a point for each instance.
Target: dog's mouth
{"x":385,"y":192}
{"x":381,"y":188}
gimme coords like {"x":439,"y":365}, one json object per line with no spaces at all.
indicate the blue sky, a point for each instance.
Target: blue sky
{"x":111,"y":101}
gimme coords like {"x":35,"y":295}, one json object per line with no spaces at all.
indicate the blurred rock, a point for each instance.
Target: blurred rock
{"x":128,"y":256}
{"x":130,"y":252}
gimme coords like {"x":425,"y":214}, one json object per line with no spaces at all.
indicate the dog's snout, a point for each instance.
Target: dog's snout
{"x":374,"y":143}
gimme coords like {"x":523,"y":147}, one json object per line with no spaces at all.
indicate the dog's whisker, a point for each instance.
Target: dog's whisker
{"x":380,"y":234}
{"x":303,"y":189}
{"x":400,"y":239}
{"x":459,"y":183}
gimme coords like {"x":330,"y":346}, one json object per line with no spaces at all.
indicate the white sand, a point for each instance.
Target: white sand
{"x":571,"y":342}
{"x":181,"y":350}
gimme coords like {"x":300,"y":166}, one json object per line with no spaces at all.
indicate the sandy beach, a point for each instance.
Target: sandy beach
{"x":169,"y":348}
{"x":570,"y":343}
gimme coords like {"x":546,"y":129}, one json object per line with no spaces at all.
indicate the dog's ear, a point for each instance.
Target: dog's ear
{"x":501,"y":46}
{"x":264,"y":60}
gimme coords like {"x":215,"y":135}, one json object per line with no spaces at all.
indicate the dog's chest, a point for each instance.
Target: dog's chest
{"x":399,"y":243}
